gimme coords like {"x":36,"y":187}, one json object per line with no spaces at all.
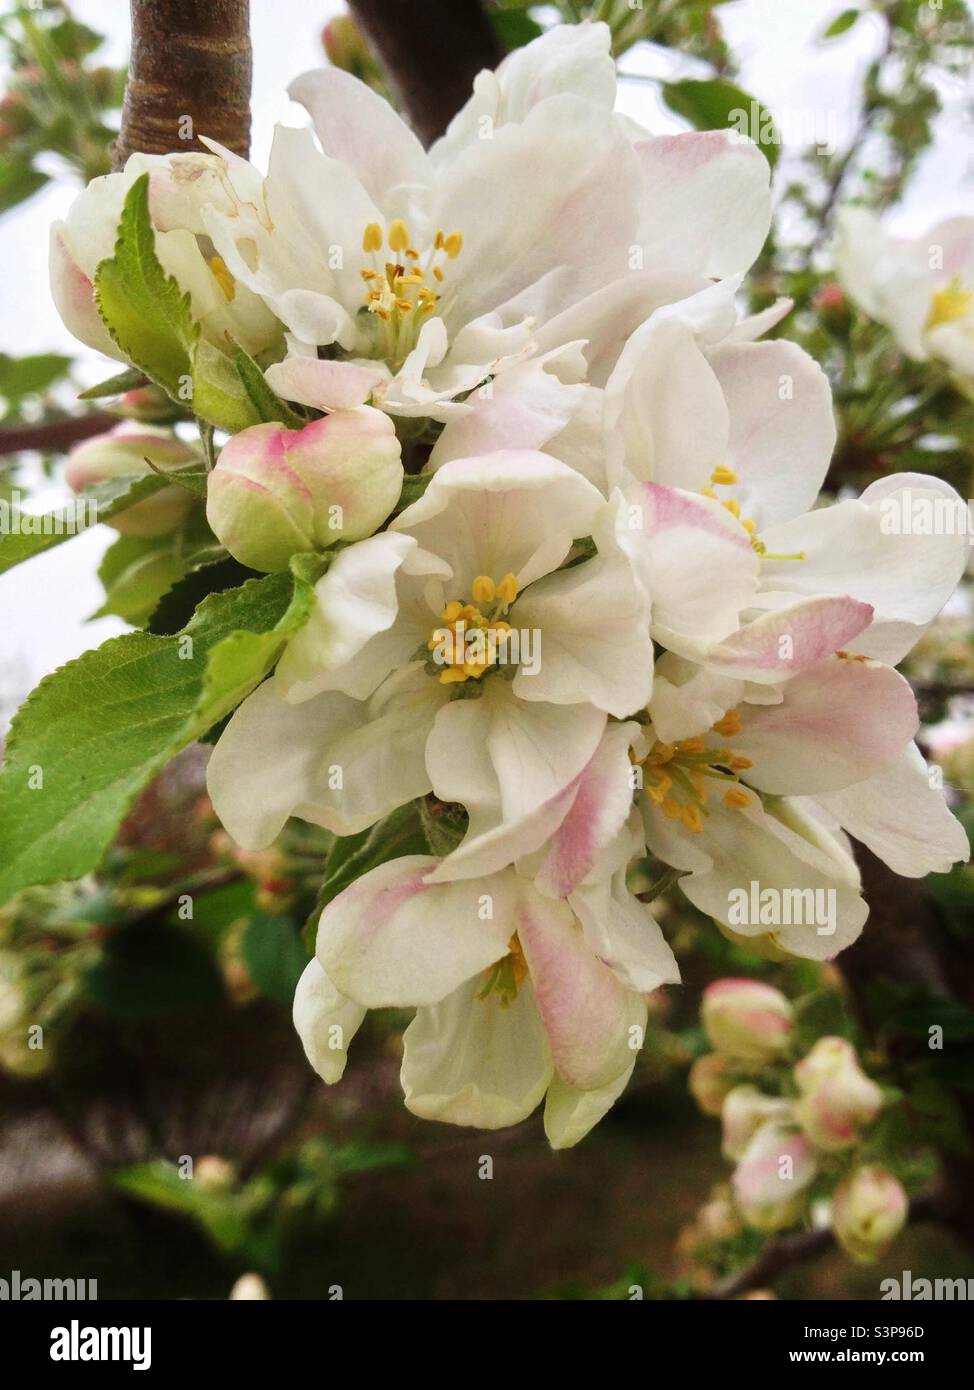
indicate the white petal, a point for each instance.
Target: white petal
{"x":326,"y":1022}
{"x":472,"y":1061}
{"x":901,"y":815}
{"x":570,"y":1114}
{"x":394,"y":939}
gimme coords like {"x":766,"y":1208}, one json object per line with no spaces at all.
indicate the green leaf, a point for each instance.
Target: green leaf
{"x":716,"y":104}
{"x":515,"y":27}
{"x":136,"y":571}
{"x":274,"y":956}
{"x":93,"y":733}
{"x":841,"y":24}
{"x":219,"y":395}
{"x":30,"y":376}
{"x":19,"y":180}
{"x":26,"y":534}
{"x":117,"y":385}
{"x":143,"y":308}
{"x":264,"y":399}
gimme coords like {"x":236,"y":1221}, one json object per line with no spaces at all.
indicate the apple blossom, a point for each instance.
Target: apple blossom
{"x":744,"y":1111}
{"x":747,"y":1019}
{"x":771,"y":1179}
{"x":710,"y":1082}
{"x":837,"y":1098}
{"x":426,"y":273}
{"x":869,"y":1209}
{"x":276,"y":492}
{"x":127,"y":451}
{"x":921,"y":289}
{"x":515,"y":1001}
{"x":180,"y":187}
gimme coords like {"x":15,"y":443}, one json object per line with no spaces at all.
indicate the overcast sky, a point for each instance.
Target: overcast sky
{"x":807,"y":84}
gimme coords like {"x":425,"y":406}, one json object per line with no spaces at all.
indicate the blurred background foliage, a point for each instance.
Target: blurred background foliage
{"x":161,"y":1130}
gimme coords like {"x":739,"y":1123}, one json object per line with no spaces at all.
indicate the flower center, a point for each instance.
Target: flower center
{"x":949,"y":304}
{"x":722,"y":476}
{"x":505,"y":977}
{"x":473,"y":637}
{"x":677,"y":774}
{"x":403,"y":292}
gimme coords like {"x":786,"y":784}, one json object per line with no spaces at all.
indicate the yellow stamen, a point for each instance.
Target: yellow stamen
{"x":949,"y":304}
{"x":734,"y":507}
{"x":453,"y":245}
{"x":372,"y":237}
{"x":507,"y":589}
{"x":740,"y":764}
{"x":723,"y":476}
{"x":691,"y":818}
{"x":728,"y":725}
{"x":223,"y":277}
{"x":399,"y":238}
{"x":736,"y":798}
{"x":483,"y":589}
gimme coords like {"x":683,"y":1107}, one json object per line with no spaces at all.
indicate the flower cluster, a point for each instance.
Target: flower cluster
{"x":575,"y":585}
{"x":803,"y":1127}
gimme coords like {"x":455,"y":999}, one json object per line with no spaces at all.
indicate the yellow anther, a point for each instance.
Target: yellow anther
{"x":372,"y":237}
{"x":483,"y":589}
{"x":453,"y":245}
{"x":368,"y":275}
{"x":452,"y":675}
{"x":438,"y":274}
{"x":691,"y":818}
{"x":439,"y":240}
{"x":405,"y":306}
{"x":750,"y":526}
{"x":736,"y":798}
{"x":662,"y":753}
{"x":452,"y":611}
{"x":723,"y":476}
{"x":740,"y":764}
{"x":672,"y":809}
{"x":412,"y":253}
{"x":223,"y":277}
{"x":507,"y":589}
{"x":398,"y":235}
{"x":733,"y":506}
{"x":691,"y":745}
{"x":949,"y":304}
{"x":659,"y":792}
{"x":709,"y":492}
{"x":729,"y":724}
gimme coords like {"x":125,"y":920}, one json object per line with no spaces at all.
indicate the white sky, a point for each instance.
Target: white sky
{"x":805,"y":83}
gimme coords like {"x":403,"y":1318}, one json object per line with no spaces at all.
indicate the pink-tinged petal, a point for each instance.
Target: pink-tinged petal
{"x":326,"y":1021}
{"x":624,"y":934}
{"x":392,"y":939}
{"x":360,"y":128}
{"x":900,"y":814}
{"x":476,"y":1061}
{"x":570,"y":1114}
{"x":780,"y":407}
{"x":838,"y":722}
{"x":780,"y":644}
{"x":680,"y":542}
{"x":581,"y":819}
{"x":74,"y":298}
{"x":325,"y":385}
{"x":706,"y":201}
{"x":593,"y":1023}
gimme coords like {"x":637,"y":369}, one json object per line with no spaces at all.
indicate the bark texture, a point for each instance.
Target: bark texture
{"x":190,"y":59}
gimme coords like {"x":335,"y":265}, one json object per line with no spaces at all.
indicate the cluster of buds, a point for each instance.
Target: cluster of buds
{"x":792,"y":1121}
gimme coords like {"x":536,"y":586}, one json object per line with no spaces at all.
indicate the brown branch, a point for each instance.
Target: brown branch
{"x":786,"y":1252}
{"x":189,"y":75}
{"x":432,"y":51}
{"x":55,"y":435}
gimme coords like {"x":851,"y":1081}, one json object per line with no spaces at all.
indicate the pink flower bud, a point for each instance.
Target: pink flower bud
{"x":277,"y":492}
{"x":747,"y":1019}
{"x":744,"y":1111}
{"x":837,"y":1098}
{"x":147,"y":404}
{"x":709,"y":1082}
{"x":869,"y":1209}
{"x":770,"y":1180}
{"x":342,"y":41}
{"x":122,"y":452}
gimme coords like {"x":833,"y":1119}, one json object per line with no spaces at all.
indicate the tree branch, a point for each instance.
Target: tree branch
{"x":787,"y":1252}
{"x":432,"y":50}
{"x":54,"y":436}
{"x":189,"y":75}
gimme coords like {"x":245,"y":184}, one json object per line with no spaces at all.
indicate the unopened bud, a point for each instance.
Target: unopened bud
{"x":147,"y":404}
{"x":123,"y":452}
{"x":837,"y":1098}
{"x":277,"y":492}
{"x":770,"y":1180}
{"x":710,"y":1083}
{"x":869,"y":1209}
{"x":250,"y":1287}
{"x":744,"y":1111}
{"x":747,"y":1019}
{"x":214,"y":1174}
{"x":347,"y":49}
